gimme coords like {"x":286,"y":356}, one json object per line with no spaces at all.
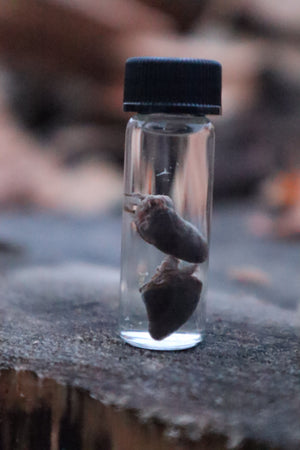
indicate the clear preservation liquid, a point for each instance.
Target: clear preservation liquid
{"x":166,"y":209}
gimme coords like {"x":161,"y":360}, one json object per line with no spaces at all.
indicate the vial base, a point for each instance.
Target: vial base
{"x":177,"y":341}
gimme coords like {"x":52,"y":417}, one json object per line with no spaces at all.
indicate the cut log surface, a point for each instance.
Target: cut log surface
{"x":58,"y":318}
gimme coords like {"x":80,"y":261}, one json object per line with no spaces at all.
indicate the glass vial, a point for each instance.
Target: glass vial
{"x":168,"y":177}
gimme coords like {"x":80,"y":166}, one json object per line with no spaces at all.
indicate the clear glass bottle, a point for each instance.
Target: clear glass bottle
{"x":168,"y":178}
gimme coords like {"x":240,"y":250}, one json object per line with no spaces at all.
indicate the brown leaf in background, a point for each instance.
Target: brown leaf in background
{"x":249,"y":275}
{"x":283,"y":193}
{"x":32,"y":176}
{"x":283,"y":190}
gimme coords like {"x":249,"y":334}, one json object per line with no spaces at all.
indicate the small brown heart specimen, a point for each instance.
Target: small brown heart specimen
{"x":171,"y":297}
{"x":158,"y":224}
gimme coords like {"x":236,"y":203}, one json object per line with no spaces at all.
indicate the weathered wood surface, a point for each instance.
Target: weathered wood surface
{"x":241,"y":389}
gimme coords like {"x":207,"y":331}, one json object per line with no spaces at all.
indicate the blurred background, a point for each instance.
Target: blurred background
{"x":61,"y":85}
{"x":62,"y":130}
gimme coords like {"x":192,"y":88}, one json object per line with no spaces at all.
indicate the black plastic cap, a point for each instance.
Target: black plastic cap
{"x":173,"y":85}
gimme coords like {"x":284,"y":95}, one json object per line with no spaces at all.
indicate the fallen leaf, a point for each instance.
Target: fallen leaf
{"x":249,"y":275}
